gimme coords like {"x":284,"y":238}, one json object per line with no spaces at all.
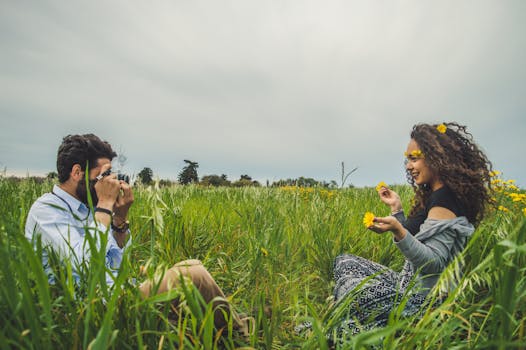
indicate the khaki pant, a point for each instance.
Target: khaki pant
{"x":204,"y":282}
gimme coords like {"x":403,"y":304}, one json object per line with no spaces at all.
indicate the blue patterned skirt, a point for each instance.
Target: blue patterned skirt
{"x":376,"y":290}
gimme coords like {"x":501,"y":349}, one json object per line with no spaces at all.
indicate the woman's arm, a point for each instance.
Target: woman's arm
{"x":433,"y":255}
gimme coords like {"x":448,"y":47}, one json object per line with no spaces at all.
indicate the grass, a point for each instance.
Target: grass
{"x":271,"y":250}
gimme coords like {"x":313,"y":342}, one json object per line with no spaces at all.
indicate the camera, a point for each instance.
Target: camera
{"x":123,"y":177}
{"x":120,"y":176}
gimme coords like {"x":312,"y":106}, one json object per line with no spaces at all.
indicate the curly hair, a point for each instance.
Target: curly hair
{"x":460,"y":165}
{"x":82,"y":150}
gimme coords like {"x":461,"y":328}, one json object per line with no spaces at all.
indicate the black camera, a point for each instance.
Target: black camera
{"x":123,"y":177}
{"x":120,"y":176}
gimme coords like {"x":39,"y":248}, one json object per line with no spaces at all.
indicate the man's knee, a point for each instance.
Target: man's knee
{"x":188,"y":263}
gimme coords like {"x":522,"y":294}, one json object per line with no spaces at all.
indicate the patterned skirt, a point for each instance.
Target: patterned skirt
{"x":376,"y":290}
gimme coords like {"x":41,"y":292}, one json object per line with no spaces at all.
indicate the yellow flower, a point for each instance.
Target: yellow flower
{"x":494,"y":173}
{"x":368,"y":219}
{"x":380,"y":185}
{"x":503,"y":208}
{"x":524,"y":211}
{"x":415,"y":154}
{"x":517,"y":197}
{"x":442,"y":128}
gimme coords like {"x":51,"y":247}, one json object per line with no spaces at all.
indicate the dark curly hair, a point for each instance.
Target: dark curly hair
{"x":460,"y":165}
{"x":81,"y":149}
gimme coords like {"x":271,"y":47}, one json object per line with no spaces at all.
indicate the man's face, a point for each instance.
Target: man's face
{"x":81,"y":190}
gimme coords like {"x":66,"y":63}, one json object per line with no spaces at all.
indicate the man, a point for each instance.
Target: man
{"x":64,"y":221}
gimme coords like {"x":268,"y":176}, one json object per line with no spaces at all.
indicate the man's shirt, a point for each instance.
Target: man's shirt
{"x":63,"y":221}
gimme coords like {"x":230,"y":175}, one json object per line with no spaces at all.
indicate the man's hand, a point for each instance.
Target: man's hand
{"x":388,"y":223}
{"x":391,"y":198}
{"x":123,"y":203}
{"x":107,"y":189}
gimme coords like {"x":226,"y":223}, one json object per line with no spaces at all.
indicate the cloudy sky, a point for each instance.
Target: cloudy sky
{"x":272,"y":89}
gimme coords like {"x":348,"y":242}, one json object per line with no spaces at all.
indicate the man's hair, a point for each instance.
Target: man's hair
{"x":82,"y":150}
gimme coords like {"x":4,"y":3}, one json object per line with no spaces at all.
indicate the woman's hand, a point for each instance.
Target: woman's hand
{"x":391,"y":198}
{"x":388,"y":223}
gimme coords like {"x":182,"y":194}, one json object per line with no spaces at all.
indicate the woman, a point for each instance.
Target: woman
{"x":451,"y":179}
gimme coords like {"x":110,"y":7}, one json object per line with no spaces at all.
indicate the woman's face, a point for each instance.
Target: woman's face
{"x":418,"y":169}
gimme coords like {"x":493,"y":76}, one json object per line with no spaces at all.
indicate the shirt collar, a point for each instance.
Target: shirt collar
{"x":73,"y":202}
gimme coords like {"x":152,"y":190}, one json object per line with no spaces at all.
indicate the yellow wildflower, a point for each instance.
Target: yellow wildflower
{"x":494,"y":173}
{"x":415,"y":154}
{"x":442,"y":128}
{"x":524,"y":211}
{"x":380,"y":185}
{"x":368,"y":219}
{"x":517,"y":197}
{"x":503,"y":208}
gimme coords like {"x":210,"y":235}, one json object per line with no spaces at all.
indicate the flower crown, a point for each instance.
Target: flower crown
{"x":442,"y":128}
{"x":415,"y":154}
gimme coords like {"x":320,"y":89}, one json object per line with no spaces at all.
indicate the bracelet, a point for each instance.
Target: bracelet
{"x":122,"y":228}
{"x":393,"y":213}
{"x":103,"y":210}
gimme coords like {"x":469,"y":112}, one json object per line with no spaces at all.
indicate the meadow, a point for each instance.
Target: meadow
{"x":271,"y":250}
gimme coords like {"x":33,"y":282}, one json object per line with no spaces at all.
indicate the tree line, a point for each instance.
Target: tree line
{"x":189,"y":175}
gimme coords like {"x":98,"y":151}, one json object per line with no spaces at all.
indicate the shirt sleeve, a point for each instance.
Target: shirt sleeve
{"x":431,"y":256}
{"x":114,"y":253}
{"x":60,"y":231}
{"x":53,"y":224}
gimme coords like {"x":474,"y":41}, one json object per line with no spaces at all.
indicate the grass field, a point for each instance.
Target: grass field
{"x":271,"y":250}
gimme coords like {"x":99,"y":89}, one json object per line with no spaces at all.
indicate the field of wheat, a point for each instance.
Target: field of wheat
{"x":271,"y":250}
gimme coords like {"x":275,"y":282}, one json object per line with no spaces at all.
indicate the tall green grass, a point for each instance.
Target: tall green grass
{"x":271,"y":250}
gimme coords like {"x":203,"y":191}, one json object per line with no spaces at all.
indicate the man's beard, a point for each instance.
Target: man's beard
{"x":83,"y":194}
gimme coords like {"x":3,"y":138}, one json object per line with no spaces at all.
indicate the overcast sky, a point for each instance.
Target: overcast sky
{"x":272,"y":89}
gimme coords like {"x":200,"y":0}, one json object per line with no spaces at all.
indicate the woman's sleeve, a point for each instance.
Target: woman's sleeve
{"x":433,"y":255}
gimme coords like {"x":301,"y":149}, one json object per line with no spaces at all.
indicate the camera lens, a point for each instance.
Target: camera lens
{"x":123,"y":177}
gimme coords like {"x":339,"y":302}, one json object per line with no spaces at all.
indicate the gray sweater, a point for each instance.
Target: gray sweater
{"x":435,"y":246}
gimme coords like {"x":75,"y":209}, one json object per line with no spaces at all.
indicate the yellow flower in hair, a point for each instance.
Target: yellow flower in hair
{"x":368,"y":219}
{"x":380,"y":185}
{"x":442,"y":128}
{"x":415,"y":154}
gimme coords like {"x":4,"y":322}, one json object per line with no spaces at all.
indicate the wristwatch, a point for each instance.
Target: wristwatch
{"x":121,"y":228}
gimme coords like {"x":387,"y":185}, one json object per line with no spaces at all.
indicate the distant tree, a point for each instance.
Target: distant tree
{"x":246,"y":180}
{"x":52,"y":175}
{"x":215,"y":180}
{"x":145,"y":176}
{"x":165,"y":183}
{"x":304,"y":182}
{"x":189,"y":173}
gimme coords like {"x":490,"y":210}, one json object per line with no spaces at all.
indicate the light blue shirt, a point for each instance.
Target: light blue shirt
{"x":63,"y":222}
